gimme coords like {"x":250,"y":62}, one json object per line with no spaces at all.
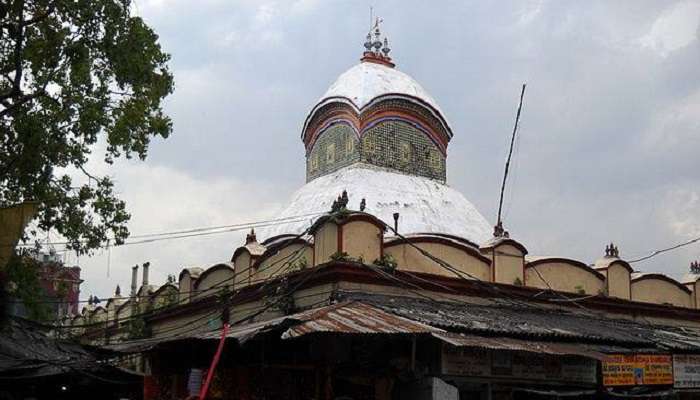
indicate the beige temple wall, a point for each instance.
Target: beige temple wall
{"x":410,"y":259}
{"x":124,"y":311}
{"x":652,"y":290}
{"x":185,"y":288}
{"x":325,"y":243}
{"x":98,"y":315}
{"x":214,"y":280}
{"x":362,"y":239}
{"x":187,"y":323}
{"x":165,"y":297}
{"x":694,"y":295}
{"x":564,"y":277}
{"x":508,"y":264}
{"x":242,"y":270}
{"x":288,"y":259}
{"x":618,"y":281}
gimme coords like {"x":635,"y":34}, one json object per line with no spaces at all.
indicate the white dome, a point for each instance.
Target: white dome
{"x":366,"y":81}
{"x":424,"y":205}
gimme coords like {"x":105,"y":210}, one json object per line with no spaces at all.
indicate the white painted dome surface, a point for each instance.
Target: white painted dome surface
{"x":424,"y":205}
{"x":366,"y":81}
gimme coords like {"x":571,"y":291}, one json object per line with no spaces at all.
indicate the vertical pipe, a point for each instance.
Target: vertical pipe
{"x":134,"y":277}
{"x":144,"y":281}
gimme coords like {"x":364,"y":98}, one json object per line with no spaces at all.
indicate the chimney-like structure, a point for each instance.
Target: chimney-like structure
{"x":134,"y":277}
{"x":144,"y":281}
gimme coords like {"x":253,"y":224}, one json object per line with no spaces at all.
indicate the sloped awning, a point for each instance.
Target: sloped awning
{"x":356,"y":318}
{"x":530,"y":346}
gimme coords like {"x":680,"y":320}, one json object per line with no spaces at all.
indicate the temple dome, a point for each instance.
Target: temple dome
{"x":367,"y":81}
{"x":423,"y":204}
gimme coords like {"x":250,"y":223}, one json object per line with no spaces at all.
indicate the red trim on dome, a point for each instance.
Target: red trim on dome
{"x":363,"y":122}
{"x":371,"y":57}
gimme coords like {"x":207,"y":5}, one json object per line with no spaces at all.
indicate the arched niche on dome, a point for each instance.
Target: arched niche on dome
{"x":403,"y":145}
{"x":215,"y":279}
{"x":563,"y":274}
{"x":336,"y":147}
{"x":283,"y":254}
{"x":660,"y":289}
{"x":459,"y":253}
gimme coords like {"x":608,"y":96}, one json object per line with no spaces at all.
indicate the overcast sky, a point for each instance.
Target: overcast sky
{"x":609,"y":137}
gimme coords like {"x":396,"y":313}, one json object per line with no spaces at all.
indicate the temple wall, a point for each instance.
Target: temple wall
{"x":564,"y":277}
{"x":362,"y":239}
{"x":325,"y":243}
{"x":508,"y":264}
{"x":618,"y":281}
{"x":288,"y":259}
{"x":660,"y":292}
{"x":410,"y":259}
{"x":242,"y":270}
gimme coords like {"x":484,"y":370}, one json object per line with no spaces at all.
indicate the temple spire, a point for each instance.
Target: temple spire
{"x":377,"y":46}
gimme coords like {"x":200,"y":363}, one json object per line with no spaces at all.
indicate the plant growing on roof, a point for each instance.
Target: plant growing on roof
{"x":387,"y":262}
{"x":518,"y":282}
{"x":340,"y":256}
{"x":76,"y":77}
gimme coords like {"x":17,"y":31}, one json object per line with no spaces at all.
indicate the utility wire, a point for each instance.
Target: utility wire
{"x":657,"y":252}
{"x":499,"y":223}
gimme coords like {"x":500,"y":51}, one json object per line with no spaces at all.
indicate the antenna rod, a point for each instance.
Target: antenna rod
{"x":499,"y":224}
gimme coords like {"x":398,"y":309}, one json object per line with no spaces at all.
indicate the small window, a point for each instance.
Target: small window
{"x":406,"y":152}
{"x":330,"y":153}
{"x":349,"y":145}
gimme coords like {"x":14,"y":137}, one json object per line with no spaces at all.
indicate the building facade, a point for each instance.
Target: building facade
{"x":382,"y":282}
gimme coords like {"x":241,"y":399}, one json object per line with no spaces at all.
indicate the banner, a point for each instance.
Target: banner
{"x":462,"y":361}
{"x":686,"y":371}
{"x":639,"y":369}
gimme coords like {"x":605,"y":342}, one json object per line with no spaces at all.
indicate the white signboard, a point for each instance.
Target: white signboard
{"x":686,"y":371}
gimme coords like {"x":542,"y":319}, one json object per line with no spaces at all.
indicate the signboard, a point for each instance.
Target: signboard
{"x":526,"y":366}
{"x":639,"y":369}
{"x":686,"y":371}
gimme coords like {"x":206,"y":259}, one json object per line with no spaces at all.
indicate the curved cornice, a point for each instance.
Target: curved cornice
{"x":360,"y":117}
{"x":211,"y":270}
{"x":661,"y":277}
{"x":568,"y":261}
{"x":438,"y":239}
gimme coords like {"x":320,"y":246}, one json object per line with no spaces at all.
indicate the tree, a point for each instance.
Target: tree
{"x":76,"y":75}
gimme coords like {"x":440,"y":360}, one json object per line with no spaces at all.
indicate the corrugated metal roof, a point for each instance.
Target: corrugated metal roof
{"x":517,"y":328}
{"x":504,"y":343}
{"x":356,"y":317}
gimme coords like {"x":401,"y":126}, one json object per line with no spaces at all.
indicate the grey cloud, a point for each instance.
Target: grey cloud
{"x":587,"y":171}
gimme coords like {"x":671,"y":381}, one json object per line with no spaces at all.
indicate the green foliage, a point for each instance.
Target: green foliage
{"x":299,"y":264}
{"x":75,"y":75}
{"x":387,"y":262}
{"x":22,"y":274}
{"x":136,"y":328}
{"x":340,"y":256}
{"x":579,"y":289}
{"x":518,"y":282}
